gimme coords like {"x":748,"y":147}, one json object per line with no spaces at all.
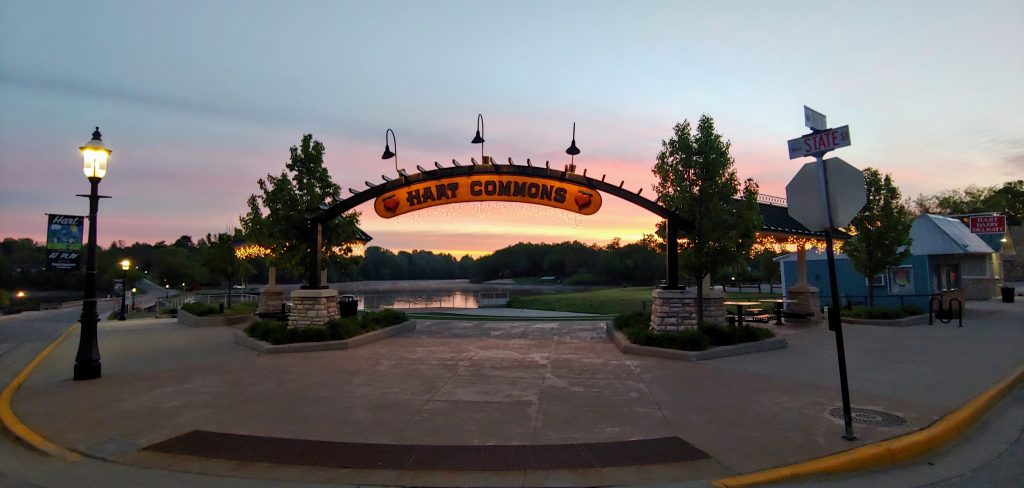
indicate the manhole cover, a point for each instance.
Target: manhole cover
{"x":866,"y":416}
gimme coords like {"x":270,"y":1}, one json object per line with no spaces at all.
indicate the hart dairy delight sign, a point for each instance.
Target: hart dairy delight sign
{"x":988,"y":224}
{"x":489,"y":188}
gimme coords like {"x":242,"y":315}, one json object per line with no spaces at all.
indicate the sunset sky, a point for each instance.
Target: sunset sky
{"x":199,"y":99}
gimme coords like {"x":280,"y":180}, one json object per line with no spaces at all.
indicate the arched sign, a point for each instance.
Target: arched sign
{"x":531,"y":189}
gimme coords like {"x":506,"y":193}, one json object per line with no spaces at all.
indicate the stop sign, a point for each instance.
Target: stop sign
{"x":847,"y":194}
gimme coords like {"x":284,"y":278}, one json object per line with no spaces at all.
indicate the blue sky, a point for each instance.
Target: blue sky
{"x":200,"y":99}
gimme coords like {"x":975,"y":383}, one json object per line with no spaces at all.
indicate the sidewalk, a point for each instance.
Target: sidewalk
{"x":511,"y":383}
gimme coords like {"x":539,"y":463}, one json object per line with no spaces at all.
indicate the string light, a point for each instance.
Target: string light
{"x":252,"y":251}
{"x":786,"y":244}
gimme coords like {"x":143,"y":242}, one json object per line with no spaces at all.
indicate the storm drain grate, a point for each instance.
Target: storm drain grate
{"x":867,"y":416}
{"x":258,"y":449}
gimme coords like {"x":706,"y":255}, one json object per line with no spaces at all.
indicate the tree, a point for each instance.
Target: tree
{"x":696,"y":178}
{"x":277,"y":218}
{"x":881,"y":230}
{"x":1007,"y":199}
{"x":217,"y":254}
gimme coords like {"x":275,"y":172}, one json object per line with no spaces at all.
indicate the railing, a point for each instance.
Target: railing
{"x":888,"y":301}
{"x":771,"y":200}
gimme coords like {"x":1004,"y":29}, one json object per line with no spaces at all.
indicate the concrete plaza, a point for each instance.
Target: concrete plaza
{"x":465,"y":382}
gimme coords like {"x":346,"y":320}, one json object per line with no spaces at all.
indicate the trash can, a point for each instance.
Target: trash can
{"x":348,"y":305}
{"x":1008,"y":292}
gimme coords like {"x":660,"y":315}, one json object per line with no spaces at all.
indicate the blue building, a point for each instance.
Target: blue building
{"x":945,"y":257}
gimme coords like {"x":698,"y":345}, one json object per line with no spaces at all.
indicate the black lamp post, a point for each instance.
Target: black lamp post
{"x":87,"y":362}
{"x":479,"y":137}
{"x":572,"y":150}
{"x":387,"y":149}
{"x":125,"y":265}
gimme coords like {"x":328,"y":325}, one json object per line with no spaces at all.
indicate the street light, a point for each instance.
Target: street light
{"x":479,"y":137}
{"x":134,"y":291}
{"x":387,"y":149}
{"x":125,"y":266}
{"x":87,"y":361}
{"x":572,"y":150}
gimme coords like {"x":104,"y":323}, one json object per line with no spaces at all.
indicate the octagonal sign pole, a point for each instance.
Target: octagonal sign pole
{"x":811,"y":203}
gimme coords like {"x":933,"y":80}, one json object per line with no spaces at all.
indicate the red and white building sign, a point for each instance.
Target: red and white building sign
{"x":988,"y":224}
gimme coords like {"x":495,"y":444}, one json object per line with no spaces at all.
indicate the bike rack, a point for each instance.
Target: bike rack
{"x":932,"y":311}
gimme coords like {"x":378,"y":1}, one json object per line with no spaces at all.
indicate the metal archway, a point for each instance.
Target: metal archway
{"x":674,"y":221}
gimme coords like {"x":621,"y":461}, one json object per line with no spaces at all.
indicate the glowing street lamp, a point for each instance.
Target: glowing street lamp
{"x":87,"y":361}
{"x":125,"y":266}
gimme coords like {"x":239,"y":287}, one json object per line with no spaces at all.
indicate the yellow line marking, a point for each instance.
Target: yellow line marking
{"x":888,"y":452}
{"x":14,"y":424}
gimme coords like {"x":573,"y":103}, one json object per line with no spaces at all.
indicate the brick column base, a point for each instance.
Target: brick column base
{"x":270,"y":300}
{"x":676,"y":310}
{"x":806,"y":301}
{"x":313,"y":307}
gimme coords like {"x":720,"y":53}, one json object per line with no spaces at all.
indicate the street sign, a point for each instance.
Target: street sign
{"x":814,"y":119}
{"x":846,"y":190}
{"x":818,"y":143}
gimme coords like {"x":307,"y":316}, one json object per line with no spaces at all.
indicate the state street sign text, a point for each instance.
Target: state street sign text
{"x":489,"y":188}
{"x":820,"y":142}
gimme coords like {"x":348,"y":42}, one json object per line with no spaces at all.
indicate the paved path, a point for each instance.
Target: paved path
{"x":465,"y":382}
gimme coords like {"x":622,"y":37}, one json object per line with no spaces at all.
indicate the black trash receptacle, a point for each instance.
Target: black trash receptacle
{"x":348,"y":305}
{"x":1008,"y":292}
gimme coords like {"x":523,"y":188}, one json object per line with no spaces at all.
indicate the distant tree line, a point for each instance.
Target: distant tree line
{"x":1007,"y":199}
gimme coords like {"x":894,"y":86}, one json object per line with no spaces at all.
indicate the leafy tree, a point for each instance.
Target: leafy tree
{"x":218,"y":256}
{"x":881,"y":230}
{"x":696,"y":178}
{"x":277,"y":217}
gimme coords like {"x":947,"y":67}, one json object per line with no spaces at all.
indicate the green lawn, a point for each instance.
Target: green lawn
{"x":610,"y":301}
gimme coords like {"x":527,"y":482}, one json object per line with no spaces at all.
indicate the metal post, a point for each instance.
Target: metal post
{"x":314,"y":238}
{"x":87,"y":361}
{"x":671,"y":255}
{"x":834,"y":322}
{"x":124,"y":296}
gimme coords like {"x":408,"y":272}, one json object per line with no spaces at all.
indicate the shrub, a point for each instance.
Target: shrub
{"x":278,"y":332}
{"x":200,"y":309}
{"x":631,"y":319}
{"x":269,"y":330}
{"x":689,"y":340}
{"x":240,"y":308}
{"x":378,"y":320}
{"x":912,"y":310}
{"x":343,"y":328}
{"x":721,"y":335}
{"x":169,"y":311}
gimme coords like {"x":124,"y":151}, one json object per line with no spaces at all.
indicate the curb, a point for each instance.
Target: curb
{"x":11,"y":421}
{"x":888,"y":452}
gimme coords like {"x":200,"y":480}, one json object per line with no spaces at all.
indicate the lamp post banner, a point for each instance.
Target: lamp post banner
{"x":64,"y":241}
{"x":489,"y":188}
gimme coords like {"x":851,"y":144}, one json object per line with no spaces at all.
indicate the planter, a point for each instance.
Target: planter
{"x":190,"y":320}
{"x":905,"y":321}
{"x":242,"y":339}
{"x":626,"y":347}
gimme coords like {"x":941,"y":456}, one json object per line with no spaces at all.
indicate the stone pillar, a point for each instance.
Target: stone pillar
{"x":801,"y":267}
{"x":675,"y":310}
{"x":313,"y":307}
{"x":271,"y":297}
{"x":806,"y":299}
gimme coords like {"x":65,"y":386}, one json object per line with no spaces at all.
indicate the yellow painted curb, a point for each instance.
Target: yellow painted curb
{"x":888,"y":452}
{"x":19,"y":429}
